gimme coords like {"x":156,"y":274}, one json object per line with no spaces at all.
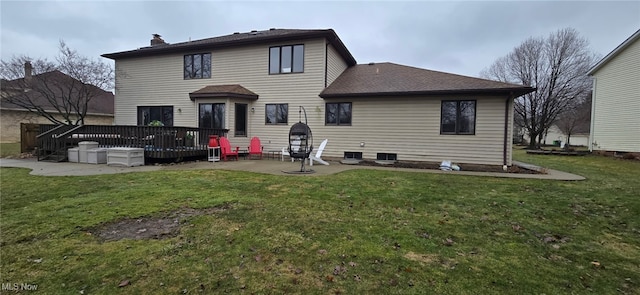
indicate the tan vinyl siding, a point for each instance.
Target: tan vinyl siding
{"x":410,"y":128}
{"x":616,"y":103}
{"x":158,"y":80}
{"x":335,"y":64}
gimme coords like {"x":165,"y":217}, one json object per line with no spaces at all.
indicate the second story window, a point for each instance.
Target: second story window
{"x":197,"y":66}
{"x":286,"y":59}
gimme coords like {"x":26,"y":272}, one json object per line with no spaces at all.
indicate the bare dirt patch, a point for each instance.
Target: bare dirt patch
{"x":164,"y":226}
{"x":423,"y":258}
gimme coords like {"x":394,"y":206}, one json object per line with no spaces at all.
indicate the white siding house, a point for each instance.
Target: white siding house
{"x":400,"y":115}
{"x":555,"y":134}
{"x":615,"y":123}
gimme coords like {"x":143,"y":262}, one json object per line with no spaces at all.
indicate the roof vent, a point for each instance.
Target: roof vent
{"x":272,"y":29}
{"x":372,"y":63}
{"x":236,"y":33}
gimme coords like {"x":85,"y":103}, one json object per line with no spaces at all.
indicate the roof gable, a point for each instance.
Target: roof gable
{"x":239,"y":39}
{"x":389,"y":79}
{"x":632,"y":39}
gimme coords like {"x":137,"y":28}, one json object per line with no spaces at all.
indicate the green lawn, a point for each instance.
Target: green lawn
{"x":357,"y":232}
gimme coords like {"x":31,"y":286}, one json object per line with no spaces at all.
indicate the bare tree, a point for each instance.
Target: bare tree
{"x":59,"y":91}
{"x":576,"y":119}
{"x":556,"y":66}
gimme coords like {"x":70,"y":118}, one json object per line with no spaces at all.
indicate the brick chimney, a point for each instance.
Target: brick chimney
{"x":157,"y":40}
{"x":28,"y":68}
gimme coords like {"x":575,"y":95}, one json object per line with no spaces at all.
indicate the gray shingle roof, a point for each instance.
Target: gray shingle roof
{"x":102,"y":102}
{"x":389,"y":79}
{"x":240,"y":39}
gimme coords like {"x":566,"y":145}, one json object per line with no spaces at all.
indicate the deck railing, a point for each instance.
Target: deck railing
{"x":158,"y":142}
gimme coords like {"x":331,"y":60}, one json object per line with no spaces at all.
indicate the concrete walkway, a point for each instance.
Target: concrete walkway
{"x":267,"y":166}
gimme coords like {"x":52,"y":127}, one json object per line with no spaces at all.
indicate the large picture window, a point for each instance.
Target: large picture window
{"x":338,"y":113}
{"x":276,"y":114}
{"x":197,"y":66}
{"x":148,"y":114}
{"x":286,"y":59}
{"x":458,"y":117}
{"x":211,"y":115}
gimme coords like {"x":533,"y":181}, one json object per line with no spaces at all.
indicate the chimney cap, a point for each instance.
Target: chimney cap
{"x":28,"y":70}
{"x":157,"y":40}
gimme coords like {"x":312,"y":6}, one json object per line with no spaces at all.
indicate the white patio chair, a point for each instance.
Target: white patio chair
{"x":295,"y":145}
{"x":285,"y":152}
{"x":318,"y":155}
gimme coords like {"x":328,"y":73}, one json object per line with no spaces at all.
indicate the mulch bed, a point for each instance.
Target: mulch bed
{"x":463,"y":167}
{"x":560,"y":152}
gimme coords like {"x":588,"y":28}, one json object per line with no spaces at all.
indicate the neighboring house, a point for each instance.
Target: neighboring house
{"x":580,"y":137}
{"x":99,"y":109}
{"x":578,"y":124}
{"x":253,"y":84}
{"x":615,"y":123}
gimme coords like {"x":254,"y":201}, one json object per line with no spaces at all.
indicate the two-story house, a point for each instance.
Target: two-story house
{"x":615,"y":124}
{"x":254,"y":84}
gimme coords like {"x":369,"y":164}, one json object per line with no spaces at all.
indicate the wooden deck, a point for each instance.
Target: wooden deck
{"x":169,"y":143}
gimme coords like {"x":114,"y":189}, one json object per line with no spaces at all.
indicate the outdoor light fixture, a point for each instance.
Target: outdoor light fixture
{"x":253,"y":110}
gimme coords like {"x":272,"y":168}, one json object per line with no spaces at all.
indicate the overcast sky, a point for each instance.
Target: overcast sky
{"x":456,"y":37}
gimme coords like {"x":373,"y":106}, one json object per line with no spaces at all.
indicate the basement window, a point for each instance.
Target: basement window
{"x":353,"y":155}
{"x":386,"y":157}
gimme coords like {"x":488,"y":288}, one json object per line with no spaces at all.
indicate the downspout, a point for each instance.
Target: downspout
{"x":593,"y":111}
{"x":326,"y":62}
{"x":506,"y":132}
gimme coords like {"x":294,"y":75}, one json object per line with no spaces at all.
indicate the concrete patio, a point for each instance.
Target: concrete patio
{"x":269,"y":166}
